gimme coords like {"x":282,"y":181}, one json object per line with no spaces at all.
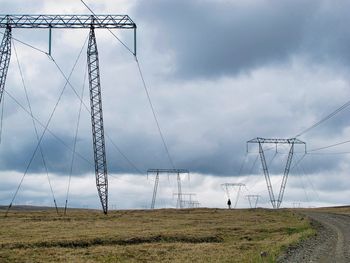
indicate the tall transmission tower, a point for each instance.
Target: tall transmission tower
{"x":253,"y":200}
{"x":291,"y":142}
{"x":228,"y":187}
{"x":178,"y":172}
{"x":91,"y":22}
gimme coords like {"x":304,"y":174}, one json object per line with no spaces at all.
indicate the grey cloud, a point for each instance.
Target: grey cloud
{"x":205,"y":123}
{"x":213,"y":39}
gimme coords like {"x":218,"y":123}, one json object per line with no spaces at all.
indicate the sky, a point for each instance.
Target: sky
{"x":219,"y":73}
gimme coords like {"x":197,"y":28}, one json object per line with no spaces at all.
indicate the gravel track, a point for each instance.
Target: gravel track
{"x":331,"y":244}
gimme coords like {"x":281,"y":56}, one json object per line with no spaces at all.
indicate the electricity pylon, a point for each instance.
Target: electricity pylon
{"x":91,"y":22}
{"x":253,"y":200}
{"x":291,"y":142}
{"x":227,"y":186}
{"x":178,"y":172}
{"x":184,"y":202}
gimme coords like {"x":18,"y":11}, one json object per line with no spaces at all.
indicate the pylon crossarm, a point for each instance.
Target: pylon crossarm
{"x":278,"y":141}
{"x":167,"y":171}
{"x":67,"y":21}
{"x":5,"y":56}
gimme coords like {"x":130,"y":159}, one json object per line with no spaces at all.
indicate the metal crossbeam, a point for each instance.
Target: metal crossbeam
{"x":67,"y":21}
{"x":167,"y":171}
{"x":278,"y":141}
{"x":5,"y":55}
{"x":170,"y":171}
{"x":97,"y":121}
{"x":291,"y":141}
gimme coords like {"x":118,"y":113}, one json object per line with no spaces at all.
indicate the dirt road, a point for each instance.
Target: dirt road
{"x":331,"y":244}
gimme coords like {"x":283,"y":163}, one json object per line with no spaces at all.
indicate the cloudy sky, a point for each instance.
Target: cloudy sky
{"x":219,"y":73}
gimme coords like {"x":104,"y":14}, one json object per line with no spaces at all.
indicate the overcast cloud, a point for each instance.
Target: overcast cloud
{"x":219,"y":74}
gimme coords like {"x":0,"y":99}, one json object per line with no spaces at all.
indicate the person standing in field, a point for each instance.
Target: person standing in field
{"x":229,"y":203}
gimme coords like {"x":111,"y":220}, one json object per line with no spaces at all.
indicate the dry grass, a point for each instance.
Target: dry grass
{"x":193,"y":235}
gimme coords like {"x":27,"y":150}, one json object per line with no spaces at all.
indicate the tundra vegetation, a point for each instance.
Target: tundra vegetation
{"x":164,"y":235}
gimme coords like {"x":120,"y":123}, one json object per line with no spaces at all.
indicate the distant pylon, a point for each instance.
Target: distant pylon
{"x":253,"y":200}
{"x":228,"y":186}
{"x":156,"y":183}
{"x":292,"y":141}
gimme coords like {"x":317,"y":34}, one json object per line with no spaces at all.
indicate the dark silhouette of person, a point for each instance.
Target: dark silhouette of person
{"x":229,"y":203}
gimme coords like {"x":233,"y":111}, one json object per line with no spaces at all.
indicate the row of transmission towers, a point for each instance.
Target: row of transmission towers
{"x":183,"y":200}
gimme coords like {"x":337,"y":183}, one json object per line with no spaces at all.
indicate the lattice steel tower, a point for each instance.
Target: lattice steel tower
{"x":291,"y":142}
{"x":73,"y":21}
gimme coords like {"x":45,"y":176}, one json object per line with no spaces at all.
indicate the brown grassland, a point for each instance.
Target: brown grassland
{"x":165,"y":235}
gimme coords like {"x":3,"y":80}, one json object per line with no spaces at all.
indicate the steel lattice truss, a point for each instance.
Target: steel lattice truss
{"x":156,"y":183}
{"x":5,"y":56}
{"x":277,"y":141}
{"x":66,"y":21}
{"x":73,"y":21}
{"x":291,"y":141}
{"x":97,"y":121}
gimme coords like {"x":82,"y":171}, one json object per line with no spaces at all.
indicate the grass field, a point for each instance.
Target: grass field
{"x":167,"y":235}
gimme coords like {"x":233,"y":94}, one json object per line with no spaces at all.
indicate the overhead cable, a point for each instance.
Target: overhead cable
{"x":332,"y":114}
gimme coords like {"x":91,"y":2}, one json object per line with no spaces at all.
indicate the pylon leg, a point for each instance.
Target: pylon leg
{"x":285,"y":175}
{"x":267,"y":176}
{"x":97,"y":121}
{"x":179,"y":196}
{"x":155,"y":191}
{"x":5,"y":55}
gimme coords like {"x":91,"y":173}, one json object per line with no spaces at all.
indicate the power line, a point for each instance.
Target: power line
{"x":242,"y":164}
{"x":144,"y":86}
{"x":154,"y":113}
{"x":329,"y":146}
{"x":75,"y":142}
{"x":88,"y":110}
{"x":43,"y":133}
{"x":85,"y":106}
{"x":303,"y":185}
{"x":124,"y":156}
{"x":43,"y":126}
{"x":330,"y":153}
{"x":116,"y":37}
{"x":333,"y":113}
{"x":28,"y":45}
{"x":310,"y":182}
{"x":34,"y":125}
